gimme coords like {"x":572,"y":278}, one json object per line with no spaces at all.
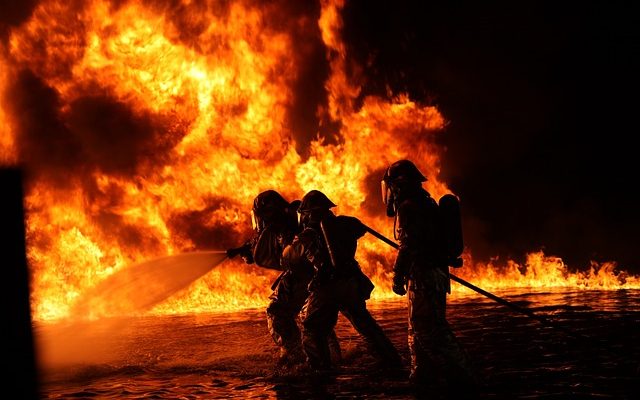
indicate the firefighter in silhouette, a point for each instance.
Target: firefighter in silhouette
{"x":328,"y":242}
{"x":421,"y":269}
{"x":275,"y":224}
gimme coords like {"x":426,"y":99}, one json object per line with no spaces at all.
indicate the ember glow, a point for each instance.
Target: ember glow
{"x":147,"y":128}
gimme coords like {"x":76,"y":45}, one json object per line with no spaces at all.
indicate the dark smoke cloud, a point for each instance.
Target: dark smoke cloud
{"x":207,"y":233}
{"x":44,"y":142}
{"x":115,"y":138}
{"x":96,"y":133}
{"x":13,"y":13}
{"x":127,"y":236}
{"x":541,"y":100}
{"x":308,"y":88}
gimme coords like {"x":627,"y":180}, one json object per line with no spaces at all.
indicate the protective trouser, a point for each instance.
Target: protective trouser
{"x":321,"y":316}
{"x":434,"y":349}
{"x":283,"y":312}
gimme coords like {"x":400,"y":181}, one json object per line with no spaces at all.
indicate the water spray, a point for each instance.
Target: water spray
{"x":139,"y":287}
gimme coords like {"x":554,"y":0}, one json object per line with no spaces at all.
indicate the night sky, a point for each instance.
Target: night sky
{"x":542,"y":106}
{"x":540,"y":99}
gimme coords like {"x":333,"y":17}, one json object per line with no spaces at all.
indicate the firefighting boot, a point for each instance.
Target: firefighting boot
{"x":290,"y":357}
{"x":334,"y":348}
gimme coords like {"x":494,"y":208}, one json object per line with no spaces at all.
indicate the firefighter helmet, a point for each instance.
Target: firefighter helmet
{"x":403,"y":170}
{"x":315,"y":200}
{"x":401,"y":173}
{"x":399,"y":176}
{"x":267,"y":206}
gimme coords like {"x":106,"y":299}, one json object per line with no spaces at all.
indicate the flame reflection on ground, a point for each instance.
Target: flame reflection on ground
{"x":231,"y":355}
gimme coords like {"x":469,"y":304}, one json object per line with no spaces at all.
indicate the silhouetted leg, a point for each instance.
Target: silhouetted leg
{"x":319,"y":319}
{"x":355,"y":310}
{"x":282,"y":315}
{"x":436,"y":355}
{"x":426,"y":364}
{"x":334,"y":347}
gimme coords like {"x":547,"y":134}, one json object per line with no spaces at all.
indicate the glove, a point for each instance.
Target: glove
{"x":243,"y":251}
{"x":399,"y":286}
{"x":231,"y":253}
{"x":456,"y":262}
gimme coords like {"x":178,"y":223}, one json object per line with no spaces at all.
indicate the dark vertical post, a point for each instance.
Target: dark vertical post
{"x":19,"y":363}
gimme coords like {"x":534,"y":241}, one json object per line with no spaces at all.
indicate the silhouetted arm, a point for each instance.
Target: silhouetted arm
{"x":244,"y":251}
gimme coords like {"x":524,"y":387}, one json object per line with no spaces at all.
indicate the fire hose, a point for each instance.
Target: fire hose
{"x":529,"y":313}
{"x":483,"y":292}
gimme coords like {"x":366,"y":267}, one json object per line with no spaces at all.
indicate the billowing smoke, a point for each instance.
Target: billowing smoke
{"x":44,"y":142}
{"x":204,"y":231}
{"x":13,"y":13}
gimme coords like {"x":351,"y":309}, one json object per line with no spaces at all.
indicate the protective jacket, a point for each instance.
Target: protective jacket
{"x":420,"y":257}
{"x":331,"y":249}
{"x":338,"y":285}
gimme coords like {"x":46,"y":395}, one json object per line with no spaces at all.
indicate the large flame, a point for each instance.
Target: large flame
{"x":7,"y":149}
{"x":204,"y":93}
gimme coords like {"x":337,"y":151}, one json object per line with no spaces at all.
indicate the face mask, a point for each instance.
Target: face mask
{"x":385,"y":190}
{"x":310,"y":218}
{"x":255,"y":222}
{"x":391,"y":206}
{"x":300,"y":219}
{"x":388,"y":199}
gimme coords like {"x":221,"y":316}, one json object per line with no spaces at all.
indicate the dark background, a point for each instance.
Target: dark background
{"x":542,"y":106}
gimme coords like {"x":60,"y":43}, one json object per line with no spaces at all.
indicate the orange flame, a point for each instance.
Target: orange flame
{"x":215,"y":83}
{"x":7,"y":146}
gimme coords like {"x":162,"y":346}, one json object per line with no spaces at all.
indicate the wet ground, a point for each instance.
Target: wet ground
{"x":231,"y":355}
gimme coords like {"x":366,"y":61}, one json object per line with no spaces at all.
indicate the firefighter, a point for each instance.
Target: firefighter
{"x":275,"y":224}
{"x":421,"y":269}
{"x":338,"y":284}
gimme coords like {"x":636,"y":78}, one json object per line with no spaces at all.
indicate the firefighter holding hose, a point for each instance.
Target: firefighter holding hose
{"x":275,"y":224}
{"x":421,"y":271}
{"x":328,"y":242}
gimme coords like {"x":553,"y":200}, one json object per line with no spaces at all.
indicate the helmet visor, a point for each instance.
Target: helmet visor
{"x":386,"y":192}
{"x":255,"y":221}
